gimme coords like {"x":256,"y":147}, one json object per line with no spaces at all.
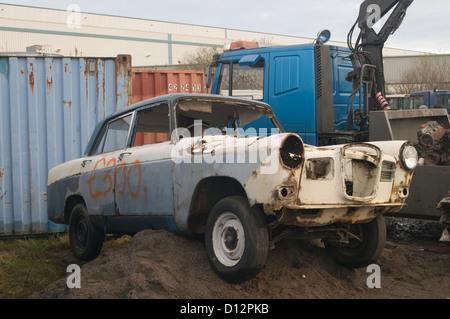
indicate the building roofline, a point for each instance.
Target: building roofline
{"x":196,"y":25}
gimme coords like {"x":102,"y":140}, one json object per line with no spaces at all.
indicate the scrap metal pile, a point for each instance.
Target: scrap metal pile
{"x":434,"y":143}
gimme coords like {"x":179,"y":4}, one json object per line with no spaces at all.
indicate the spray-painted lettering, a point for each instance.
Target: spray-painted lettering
{"x":120,"y":178}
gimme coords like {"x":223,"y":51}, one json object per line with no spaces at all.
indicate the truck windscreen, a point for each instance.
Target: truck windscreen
{"x":246,"y":81}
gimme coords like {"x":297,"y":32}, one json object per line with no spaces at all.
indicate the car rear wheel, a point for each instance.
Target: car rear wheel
{"x":364,"y":246}
{"x":85,"y":239}
{"x":236,"y":239}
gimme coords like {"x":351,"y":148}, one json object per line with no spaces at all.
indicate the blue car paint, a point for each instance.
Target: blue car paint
{"x":150,"y":207}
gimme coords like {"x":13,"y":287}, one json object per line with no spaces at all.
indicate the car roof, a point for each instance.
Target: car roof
{"x":171,"y":99}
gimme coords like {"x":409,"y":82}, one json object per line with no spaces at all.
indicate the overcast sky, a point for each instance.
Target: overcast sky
{"x":426,"y":26}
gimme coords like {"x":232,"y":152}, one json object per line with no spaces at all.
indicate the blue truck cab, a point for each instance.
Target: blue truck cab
{"x":430,"y":98}
{"x":305,"y":85}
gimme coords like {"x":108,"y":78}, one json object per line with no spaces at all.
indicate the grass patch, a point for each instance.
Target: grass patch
{"x":29,"y":265}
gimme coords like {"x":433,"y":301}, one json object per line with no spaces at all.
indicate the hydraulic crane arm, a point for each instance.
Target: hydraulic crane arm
{"x":373,"y":10}
{"x":367,"y":53}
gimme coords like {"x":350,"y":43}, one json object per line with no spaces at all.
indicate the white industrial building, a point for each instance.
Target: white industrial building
{"x":149,"y":42}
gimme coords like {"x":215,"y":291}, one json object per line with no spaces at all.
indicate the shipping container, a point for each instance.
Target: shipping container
{"x":150,"y":83}
{"x":49,"y":107}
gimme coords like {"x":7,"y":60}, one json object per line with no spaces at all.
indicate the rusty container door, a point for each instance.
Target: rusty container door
{"x":49,"y":107}
{"x":151,"y":83}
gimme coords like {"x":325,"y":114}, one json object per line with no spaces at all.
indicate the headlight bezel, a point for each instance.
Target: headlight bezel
{"x":292,"y":151}
{"x":405,"y":158}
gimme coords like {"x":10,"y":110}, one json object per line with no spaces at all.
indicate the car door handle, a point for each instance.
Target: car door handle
{"x":83,"y":164}
{"x":122,"y":155}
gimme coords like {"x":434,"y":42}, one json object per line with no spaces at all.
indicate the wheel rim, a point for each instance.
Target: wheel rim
{"x":228,"y":239}
{"x":355,"y":246}
{"x":81,"y":234}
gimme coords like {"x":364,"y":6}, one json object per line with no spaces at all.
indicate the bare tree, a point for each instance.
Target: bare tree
{"x":428,"y":73}
{"x":198,"y":59}
{"x":202,"y":56}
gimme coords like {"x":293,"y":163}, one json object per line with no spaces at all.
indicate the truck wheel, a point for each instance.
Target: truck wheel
{"x":363,"y":250}
{"x":236,"y":239}
{"x":85,"y":239}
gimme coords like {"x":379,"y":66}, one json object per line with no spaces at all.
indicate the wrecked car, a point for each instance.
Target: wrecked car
{"x":195,"y":164}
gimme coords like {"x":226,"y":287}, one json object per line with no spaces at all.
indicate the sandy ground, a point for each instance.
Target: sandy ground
{"x":159,"y":264}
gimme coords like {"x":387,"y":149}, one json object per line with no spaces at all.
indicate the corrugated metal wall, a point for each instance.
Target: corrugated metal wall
{"x":395,"y":67}
{"x":49,"y":107}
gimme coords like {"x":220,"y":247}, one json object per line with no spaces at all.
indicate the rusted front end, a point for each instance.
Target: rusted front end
{"x":350,"y":183}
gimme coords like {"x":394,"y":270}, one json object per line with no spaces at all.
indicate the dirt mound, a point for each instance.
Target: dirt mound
{"x":159,"y":264}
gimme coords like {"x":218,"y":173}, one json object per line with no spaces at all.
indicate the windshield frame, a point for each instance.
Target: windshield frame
{"x":234,"y":102}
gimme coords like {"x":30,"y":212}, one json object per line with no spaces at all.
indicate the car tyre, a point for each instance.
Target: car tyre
{"x":85,"y":239}
{"x":360,"y":253}
{"x":236,"y":239}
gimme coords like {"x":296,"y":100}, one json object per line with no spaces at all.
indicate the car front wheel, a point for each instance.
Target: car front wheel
{"x":364,"y":246}
{"x":85,"y":239}
{"x":236,"y":239}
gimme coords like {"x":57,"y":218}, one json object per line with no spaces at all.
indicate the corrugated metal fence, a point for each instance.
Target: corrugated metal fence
{"x":49,"y":107}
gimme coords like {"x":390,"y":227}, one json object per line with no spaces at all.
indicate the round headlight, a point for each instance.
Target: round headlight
{"x":409,"y":157}
{"x":292,"y":151}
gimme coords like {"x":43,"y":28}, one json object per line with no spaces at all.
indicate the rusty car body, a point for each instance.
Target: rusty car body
{"x":192,"y":164}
